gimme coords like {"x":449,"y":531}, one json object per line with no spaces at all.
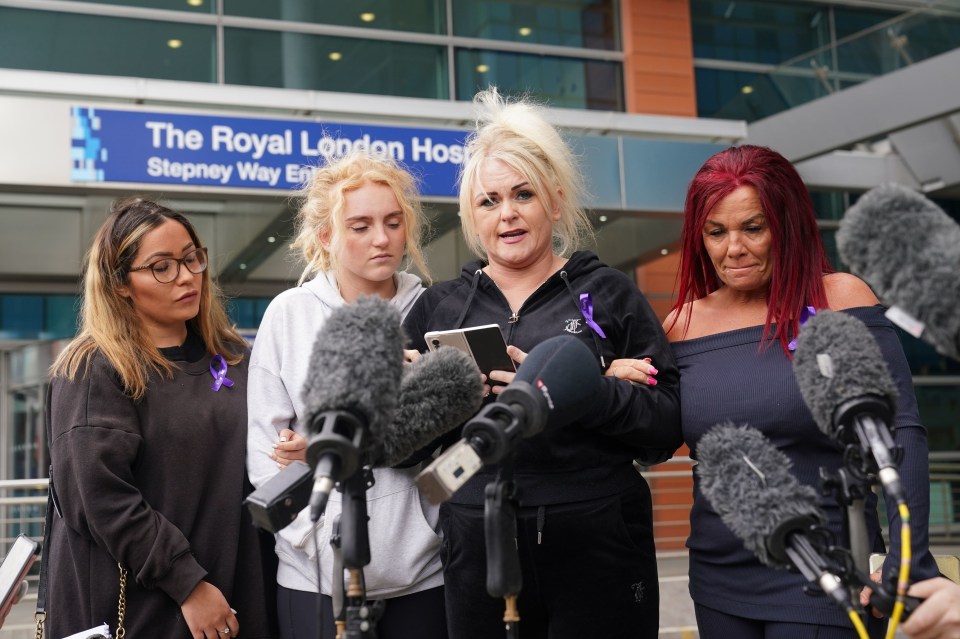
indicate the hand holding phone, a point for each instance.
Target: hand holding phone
{"x":485,"y":344}
{"x":14,"y":569}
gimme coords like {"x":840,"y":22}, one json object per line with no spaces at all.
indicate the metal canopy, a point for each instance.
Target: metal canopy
{"x":915,"y":110}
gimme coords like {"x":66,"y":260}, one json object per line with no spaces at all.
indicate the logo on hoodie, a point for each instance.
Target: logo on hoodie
{"x":574,"y":326}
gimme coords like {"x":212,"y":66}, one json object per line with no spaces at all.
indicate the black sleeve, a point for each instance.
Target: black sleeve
{"x":644,"y":417}
{"x":914,"y":467}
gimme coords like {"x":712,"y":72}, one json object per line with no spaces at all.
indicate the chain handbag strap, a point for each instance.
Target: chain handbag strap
{"x":40,"y":618}
{"x":122,"y":603}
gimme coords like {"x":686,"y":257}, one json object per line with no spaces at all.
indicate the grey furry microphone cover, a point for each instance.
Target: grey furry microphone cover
{"x":837,"y":360}
{"x":749,"y":484}
{"x":356,"y":363}
{"x":908,"y":250}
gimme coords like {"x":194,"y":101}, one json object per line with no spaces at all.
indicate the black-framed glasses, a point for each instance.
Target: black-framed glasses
{"x":167,"y":269}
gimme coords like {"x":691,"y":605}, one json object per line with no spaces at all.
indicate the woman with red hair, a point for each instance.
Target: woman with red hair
{"x":752,"y":269}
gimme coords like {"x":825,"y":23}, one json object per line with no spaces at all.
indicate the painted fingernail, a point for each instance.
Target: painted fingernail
{"x":283,"y":439}
{"x":652,"y":381}
{"x":646,"y":359}
{"x":653,"y":371}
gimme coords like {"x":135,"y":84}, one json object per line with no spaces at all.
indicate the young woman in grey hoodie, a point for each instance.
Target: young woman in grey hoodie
{"x":360,"y":215}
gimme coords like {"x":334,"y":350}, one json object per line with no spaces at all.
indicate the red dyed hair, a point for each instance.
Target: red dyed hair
{"x":799,"y":260}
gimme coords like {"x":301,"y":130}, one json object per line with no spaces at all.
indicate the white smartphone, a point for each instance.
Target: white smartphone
{"x":15,"y":566}
{"x":485,"y":344}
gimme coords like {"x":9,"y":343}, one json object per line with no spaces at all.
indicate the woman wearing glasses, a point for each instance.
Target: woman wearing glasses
{"x":146,"y":418}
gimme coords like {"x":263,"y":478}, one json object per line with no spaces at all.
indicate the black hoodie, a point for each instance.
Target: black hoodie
{"x":591,"y":457}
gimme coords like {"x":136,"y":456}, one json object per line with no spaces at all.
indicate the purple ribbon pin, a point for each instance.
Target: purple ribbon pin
{"x":586,"y":307}
{"x":218,"y":368}
{"x":805,"y":313}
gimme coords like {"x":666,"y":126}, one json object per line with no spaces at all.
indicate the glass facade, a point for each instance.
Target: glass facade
{"x":414,"y":49}
{"x":586,"y":24}
{"x":755,"y":59}
{"x":559,"y":82}
{"x":418,"y":16}
{"x":46,"y":41}
{"x":324,"y":63}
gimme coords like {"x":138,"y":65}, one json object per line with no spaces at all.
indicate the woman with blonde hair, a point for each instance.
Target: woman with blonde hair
{"x":585,"y":523}
{"x":146,"y":413}
{"x":360,"y":215}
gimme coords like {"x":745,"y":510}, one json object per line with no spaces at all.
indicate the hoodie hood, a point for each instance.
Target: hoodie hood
{"x":324,"y":287}
{"x":581,"y":262}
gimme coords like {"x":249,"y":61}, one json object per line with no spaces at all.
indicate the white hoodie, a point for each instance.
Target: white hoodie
{"x":404,"y":539}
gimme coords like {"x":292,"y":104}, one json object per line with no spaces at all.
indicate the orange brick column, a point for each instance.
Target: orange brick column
{"x":672,"y":495}
{"x":659,"y":79}
{"x":658,"y":57}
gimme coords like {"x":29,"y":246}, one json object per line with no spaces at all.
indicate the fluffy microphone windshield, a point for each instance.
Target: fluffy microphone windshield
{"x":838,"y":360}
{"x":356,"y":364}
{"x":749,"y":484}
{"x":908,"y":250}
{"x":438,"y":392}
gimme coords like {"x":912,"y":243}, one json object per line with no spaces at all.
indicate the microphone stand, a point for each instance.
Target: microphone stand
{"x":336,"y":581}
{"x":360,"y":617}
{"x":504,"y":578}
{"x":849,"y":487}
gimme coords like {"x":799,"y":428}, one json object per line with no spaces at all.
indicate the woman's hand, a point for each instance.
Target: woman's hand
{"x":640,"y":371}
{"x":938,"y":617}
{"x":290,"y":447}
{"x":410,"y":355}
{"x":207,"y":613}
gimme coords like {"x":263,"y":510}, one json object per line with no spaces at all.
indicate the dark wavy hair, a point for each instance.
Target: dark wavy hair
{"x":798,"y":258}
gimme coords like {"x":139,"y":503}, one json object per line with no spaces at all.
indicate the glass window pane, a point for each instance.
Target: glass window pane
{"x":21,"y":316}
{"x":742,"y":95}
{"x":421,"y":16}
{"x":898,"y":45}
{"x":586,"y":24}
{"x":848,"y":20}
{"x":939,"y":407}
{"x":74,"y":43}
{"x":60,"y":316}
{"x":321,"y":63}
{"x":560,"y":82}
{"x":247,"y":312}
{"x":764,"y":32}
{"x":193,"y":6}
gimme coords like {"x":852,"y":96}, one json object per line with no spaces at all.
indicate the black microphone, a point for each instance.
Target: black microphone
{"x":351,"y":389}
{"x":908,"y":250}
{"x":438,"y":392}
{"x":749,"y":484}
{"x":556,"y":384}
{"x":846,"y":385}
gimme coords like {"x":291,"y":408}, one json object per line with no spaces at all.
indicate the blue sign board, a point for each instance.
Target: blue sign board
{"x":174,"y":148}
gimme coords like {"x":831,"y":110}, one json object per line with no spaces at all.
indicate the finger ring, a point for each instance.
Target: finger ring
{"x":226,"y":630}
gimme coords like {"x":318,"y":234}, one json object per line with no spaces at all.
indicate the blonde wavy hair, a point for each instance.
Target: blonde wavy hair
{"x":324,"y":198}
{"x":516,"y":133}
{"x":109,"y":322}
